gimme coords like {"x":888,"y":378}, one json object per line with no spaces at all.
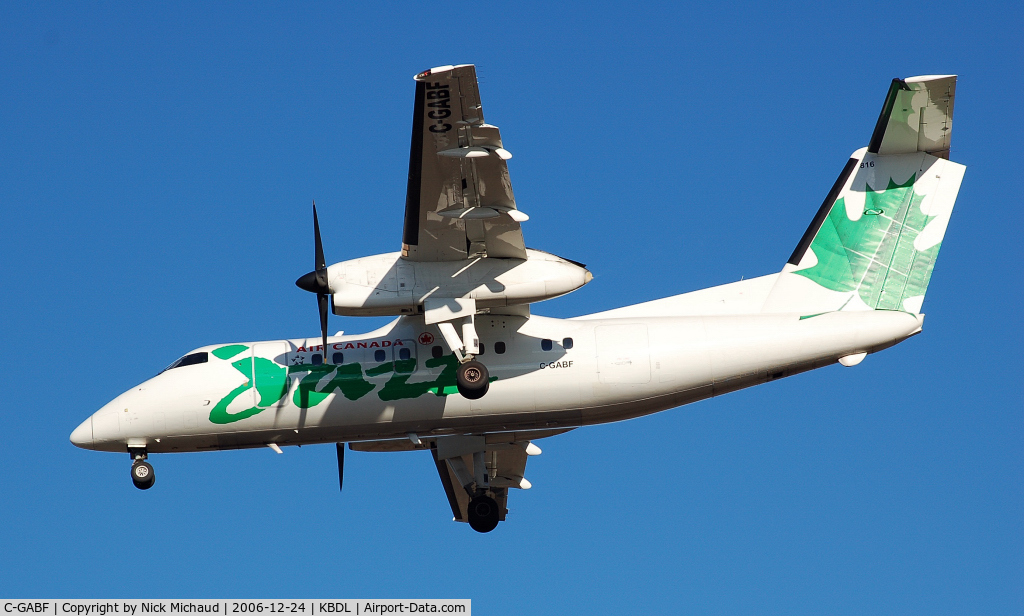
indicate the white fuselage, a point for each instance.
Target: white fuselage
{"x":390,"y":383}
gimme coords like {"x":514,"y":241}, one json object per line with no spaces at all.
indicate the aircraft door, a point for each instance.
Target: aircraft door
{"x":270,"y":373}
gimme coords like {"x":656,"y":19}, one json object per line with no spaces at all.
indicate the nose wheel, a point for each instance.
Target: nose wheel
{"x":472,"y":380}
{"x":143,"y":475}
{"x":142,"y":472}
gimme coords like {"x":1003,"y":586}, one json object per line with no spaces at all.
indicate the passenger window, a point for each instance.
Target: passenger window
{"x":379,"y":355}
{"x":405,"y":357}
{"x":481,"y":345}
{"x":317,"y":359}
{"x":338,"y":358}
{"x":437,"y":352}
{"x":499,"y":347}
{"x":545,"y":344}
{"x":566,"y":343}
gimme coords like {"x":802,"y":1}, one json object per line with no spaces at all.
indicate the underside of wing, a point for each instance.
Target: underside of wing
{"x":473,"y":467}
{"x":459,"y":202}
{"x":506,"y":466}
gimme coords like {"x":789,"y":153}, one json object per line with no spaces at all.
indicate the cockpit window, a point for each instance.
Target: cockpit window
{"x":189,"y":360}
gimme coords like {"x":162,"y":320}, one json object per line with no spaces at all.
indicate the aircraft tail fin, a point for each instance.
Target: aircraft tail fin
{"x":874,"y":241}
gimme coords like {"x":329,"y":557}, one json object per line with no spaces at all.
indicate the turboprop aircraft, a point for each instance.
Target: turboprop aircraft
{"x":467,"y":373}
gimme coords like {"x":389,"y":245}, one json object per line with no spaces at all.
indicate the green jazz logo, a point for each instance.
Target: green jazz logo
{"x":320,"y":381}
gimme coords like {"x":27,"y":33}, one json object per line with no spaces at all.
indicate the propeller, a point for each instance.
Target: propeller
{"x":316,"y":281}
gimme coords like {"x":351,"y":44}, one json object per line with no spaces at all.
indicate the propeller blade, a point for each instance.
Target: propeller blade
{"x":322,"y":301}
{"x":321,"y":263}
{"x":316,"y":281}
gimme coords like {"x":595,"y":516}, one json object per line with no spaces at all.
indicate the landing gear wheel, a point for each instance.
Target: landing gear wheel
{"x":142,"y":475}
{"x":483,"y":514}
{"x":472,"y":380}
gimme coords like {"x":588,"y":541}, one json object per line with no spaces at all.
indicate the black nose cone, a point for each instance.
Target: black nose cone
{"x":311,"y":282}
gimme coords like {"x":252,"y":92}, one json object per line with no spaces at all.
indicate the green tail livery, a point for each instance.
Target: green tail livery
{"x":874,"y":254}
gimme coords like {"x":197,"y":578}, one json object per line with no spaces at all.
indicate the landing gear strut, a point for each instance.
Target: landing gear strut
{"x":483,"y":514}
{"x":472,"y":380}
{"x":142,"y":473}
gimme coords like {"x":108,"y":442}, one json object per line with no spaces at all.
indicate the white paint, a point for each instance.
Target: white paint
{"x":913,"y":304}
{"x":852,"y":360}
{"x":940,"y":205}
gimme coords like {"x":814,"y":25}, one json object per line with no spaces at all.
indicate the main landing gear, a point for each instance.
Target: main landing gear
{"x":142,"y":472}
{"x":472,"y":380}
{"x":483,"y":513}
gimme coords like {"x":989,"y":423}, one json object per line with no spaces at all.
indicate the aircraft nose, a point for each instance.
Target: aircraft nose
{"x":82,"y":436}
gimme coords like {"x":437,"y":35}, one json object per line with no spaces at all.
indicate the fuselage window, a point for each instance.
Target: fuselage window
{"x":436,"y":352}
{"x":189,"y":360}
{"x":566,"y":343}
{"x":545,"y":344}
{"x":338,"y":358}
{"x":317,"y":359}
{"x":481,"y":345}
{"x":499,"y":347}
{"x":379,"y":355}
{"x":404,"y":354}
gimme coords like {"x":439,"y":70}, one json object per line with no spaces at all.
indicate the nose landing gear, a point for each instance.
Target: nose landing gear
{"x":142,"y":472}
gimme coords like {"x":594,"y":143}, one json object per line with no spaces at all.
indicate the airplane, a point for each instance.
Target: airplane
{"x":468,"y":373}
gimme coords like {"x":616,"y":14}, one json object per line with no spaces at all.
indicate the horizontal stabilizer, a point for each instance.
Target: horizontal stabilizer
{"x":917,"y":117}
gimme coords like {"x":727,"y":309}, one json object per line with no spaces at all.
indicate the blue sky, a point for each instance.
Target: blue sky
{"x":156,"y":168}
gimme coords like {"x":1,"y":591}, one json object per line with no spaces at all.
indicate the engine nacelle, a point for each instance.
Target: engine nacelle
{"x":387,"y":284}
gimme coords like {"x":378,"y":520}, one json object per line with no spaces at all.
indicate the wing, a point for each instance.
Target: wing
{"x":503,"y":455}
{"x":459,"y":202}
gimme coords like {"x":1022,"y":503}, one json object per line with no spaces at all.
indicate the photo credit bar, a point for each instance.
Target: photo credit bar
{"x":233,"y":607}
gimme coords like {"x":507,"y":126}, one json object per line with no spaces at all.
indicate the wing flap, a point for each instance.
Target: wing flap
{"x":458,"y":499}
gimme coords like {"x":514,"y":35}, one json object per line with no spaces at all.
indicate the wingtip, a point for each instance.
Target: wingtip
{"x":439,"y":69}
